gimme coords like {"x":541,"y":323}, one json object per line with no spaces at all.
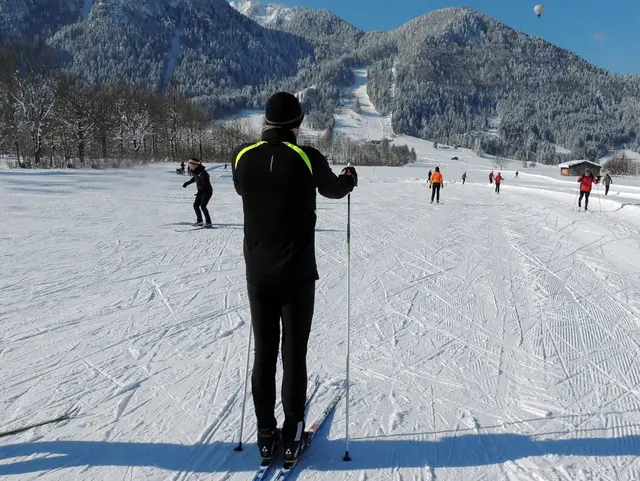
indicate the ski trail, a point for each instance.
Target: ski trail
{"x":174,"y":52}
{"x":86,"y":9}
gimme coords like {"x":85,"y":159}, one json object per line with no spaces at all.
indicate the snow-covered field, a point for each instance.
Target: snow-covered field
{"x":494,"y":336}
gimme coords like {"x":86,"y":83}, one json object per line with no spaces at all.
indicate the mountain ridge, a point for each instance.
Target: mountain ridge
{"x":443,"y":75}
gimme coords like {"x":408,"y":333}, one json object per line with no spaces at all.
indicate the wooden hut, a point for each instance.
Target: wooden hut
{"x":577,"y":167}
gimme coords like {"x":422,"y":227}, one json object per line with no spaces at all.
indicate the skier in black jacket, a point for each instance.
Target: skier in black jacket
{"x":277,"y":180}
{"x":201,"y":177}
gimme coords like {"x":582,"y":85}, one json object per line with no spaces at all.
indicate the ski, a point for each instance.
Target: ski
{"x":266,"y":465}
{"x":195,"y":228}
{"x":283,"y":473}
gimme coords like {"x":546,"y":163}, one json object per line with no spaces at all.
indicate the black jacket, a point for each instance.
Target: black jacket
{"x":201,"y":177}
{"x":279,"y":201}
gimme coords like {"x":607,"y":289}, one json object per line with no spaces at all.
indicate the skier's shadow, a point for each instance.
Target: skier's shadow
{"x":324,"y":455}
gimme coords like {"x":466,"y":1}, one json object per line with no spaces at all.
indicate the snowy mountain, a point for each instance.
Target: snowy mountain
{"x":205,"y":46}
{"x":331,"y":35}
{"x":264,"y":14}
{"x":26,"y":18}
{"x":442,"y":76}
{"x":448,"y":74}
{"x":457,"y":69}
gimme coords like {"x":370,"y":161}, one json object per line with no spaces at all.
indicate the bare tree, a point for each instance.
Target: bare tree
{"x":75,"y":113}
{"x":35,"y":98}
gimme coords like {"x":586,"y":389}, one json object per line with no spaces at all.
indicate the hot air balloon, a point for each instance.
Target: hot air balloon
{"x":539,"y":9}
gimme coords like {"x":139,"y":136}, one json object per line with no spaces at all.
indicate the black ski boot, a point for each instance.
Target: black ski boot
{"x":268,"y":443}
{"x":294,"y":448}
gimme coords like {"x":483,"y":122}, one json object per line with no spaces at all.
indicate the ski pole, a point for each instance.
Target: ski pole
{"x":346,"y":454}
{"x":244,"y":390}
{"x":599,"y":202}
{"x":575,"y":200}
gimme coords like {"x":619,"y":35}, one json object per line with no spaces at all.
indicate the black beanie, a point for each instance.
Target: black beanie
{"x":283,"y":110}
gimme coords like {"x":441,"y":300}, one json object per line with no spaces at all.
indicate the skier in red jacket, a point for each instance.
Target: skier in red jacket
{"x":586,"y":181}
{"x":498,"y":179}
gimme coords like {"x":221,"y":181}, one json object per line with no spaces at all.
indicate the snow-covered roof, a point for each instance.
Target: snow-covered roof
{"x":571,"y":163}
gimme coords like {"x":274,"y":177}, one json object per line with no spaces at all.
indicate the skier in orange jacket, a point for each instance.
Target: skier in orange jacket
{"x":436,"y":183}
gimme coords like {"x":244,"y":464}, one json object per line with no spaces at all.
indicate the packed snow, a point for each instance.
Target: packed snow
{"x":493,"y":335}
{"x":366,"y":123}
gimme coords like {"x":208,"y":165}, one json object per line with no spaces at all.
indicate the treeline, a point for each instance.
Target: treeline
{"x":340,"y":149}
{"x":620,"y":164}
{"x":51,"y":118}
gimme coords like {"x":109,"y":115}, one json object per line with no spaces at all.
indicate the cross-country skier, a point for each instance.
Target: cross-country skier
{"x":464,"y":178}
{"x":277,"y":180}
{"x":225,"y":166}
{"x":436,"y":184}
{"x":429,"y":178}
{"x":491,"y":177}
{"x":201,"y":177}
{"x":586,"y":181}
{"x":498,"y":179}
{"x":516,"y":174}
{"x":607,"y":181}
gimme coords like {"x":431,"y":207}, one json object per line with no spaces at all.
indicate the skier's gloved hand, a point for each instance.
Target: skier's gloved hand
{"x":599,"y":177}
{"x":352,"y":174}
{"x":185,"y":185}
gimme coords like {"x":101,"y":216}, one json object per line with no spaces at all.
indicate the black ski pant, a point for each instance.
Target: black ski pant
{"x":498,"y":187}
{"x":269,"y":306}
{"x":606,"y":189}
{"x":202,"y":199}
{"x":586,"y":199}
{"x":435,"y":191}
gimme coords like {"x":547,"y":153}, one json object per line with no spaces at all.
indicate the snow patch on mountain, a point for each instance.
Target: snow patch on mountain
{"x":264,"y":14}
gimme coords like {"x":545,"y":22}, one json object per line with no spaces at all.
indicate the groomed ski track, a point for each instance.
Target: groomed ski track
{"x":494,"y":336}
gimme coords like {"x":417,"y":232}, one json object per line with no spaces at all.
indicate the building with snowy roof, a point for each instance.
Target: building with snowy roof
{"x":577,"y":167}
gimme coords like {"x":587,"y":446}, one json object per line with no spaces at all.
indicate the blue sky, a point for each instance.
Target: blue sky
{"x":604,"y":32}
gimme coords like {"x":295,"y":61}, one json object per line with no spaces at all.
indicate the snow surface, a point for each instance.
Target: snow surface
{"x":494,"y":336}
{"x":174,"y":52}
{"x":86,"y":9}
{"x":368,"y":124}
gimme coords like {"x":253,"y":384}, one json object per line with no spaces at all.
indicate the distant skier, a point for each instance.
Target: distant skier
{"x":464,"y":178}
{"x":429,"y":178}
{"x":182,"y":167}
{"x":498,"y":179}
{"x":436,"y":184}
{"x":607,"y":181}
{"x":516,"y":174}
{"x":201,"y":177}
{"x":225,"y":166}
{"x":491,"y":177}
{"x":278,"y":181}
{"x":586,"y":181}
